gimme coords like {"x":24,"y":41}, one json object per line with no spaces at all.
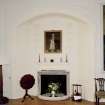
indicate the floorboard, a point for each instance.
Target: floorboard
{"x":38,"y":101}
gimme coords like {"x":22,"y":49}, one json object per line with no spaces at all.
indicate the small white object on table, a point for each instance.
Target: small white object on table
{"x":77,"y":97}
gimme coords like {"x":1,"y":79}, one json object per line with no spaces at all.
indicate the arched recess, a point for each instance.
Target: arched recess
{"x":77,"y":43}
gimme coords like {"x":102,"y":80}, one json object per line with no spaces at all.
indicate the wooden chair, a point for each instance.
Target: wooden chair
{"x":99,"y":89}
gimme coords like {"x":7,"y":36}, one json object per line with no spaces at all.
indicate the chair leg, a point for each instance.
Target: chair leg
{"x":98,"y":101}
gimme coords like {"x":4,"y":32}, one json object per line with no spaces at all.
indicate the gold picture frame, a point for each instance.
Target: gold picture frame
{"x":53,"y":41}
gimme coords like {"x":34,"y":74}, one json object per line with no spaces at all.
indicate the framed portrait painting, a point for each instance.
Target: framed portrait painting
{"x":53,"y":41}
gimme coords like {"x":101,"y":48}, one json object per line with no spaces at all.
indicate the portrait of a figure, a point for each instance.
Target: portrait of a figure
{"x":53,"y":41}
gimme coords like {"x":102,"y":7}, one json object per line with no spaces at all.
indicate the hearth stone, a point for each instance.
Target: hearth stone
{"x":56,"y":95}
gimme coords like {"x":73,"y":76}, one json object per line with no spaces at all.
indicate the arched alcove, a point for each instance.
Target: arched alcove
{"x":77,"y":44}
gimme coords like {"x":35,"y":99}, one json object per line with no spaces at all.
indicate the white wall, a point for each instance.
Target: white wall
{"x":1,"y":33}
{"x":99,"y":72}
{"x":24,"y":24}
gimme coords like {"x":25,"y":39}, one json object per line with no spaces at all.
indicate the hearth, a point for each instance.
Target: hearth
{"x":53,"y":84}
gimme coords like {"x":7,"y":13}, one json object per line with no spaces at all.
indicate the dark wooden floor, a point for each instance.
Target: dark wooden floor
{"x":38,"y":101}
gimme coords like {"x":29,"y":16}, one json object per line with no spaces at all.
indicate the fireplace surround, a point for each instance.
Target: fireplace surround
{"x":60,"y":78}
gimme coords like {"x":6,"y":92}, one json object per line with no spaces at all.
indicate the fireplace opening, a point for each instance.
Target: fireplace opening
{"x":53,"y":84}
{"x":46,"y":80}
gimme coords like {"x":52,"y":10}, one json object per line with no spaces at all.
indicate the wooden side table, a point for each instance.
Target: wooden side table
{"x":77,"y":92}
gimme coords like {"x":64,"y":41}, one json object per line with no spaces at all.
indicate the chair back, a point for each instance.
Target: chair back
{"x":99,"y":84}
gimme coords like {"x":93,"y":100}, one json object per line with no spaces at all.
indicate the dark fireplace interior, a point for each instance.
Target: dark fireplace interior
{"x":61,"y":79}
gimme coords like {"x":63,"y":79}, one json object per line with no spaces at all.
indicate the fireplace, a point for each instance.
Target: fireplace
{"x":53,"y":84}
